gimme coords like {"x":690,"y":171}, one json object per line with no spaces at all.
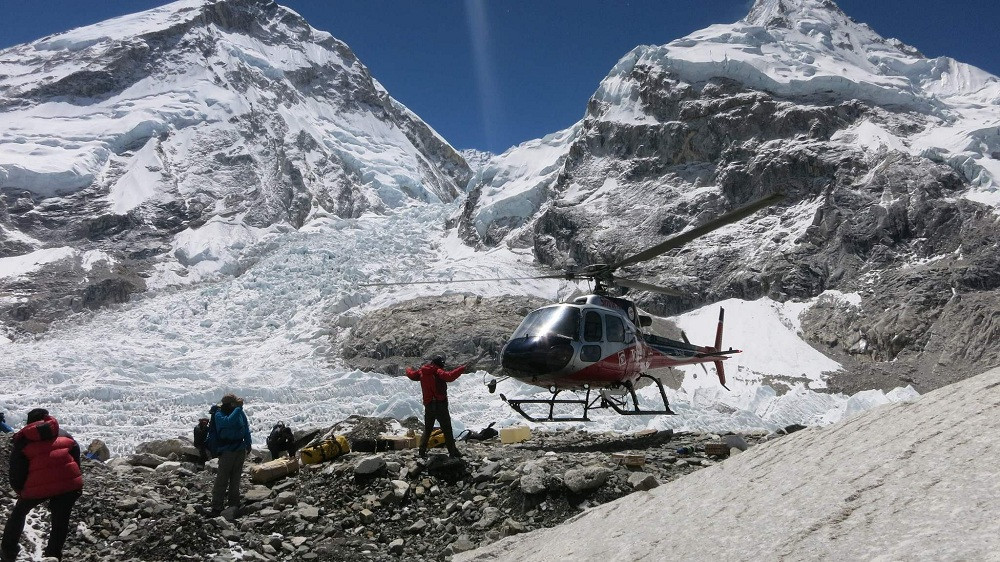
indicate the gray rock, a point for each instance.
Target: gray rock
{"x":285,"y":499}
{"x":396,"y":547}
{"x":385,"y":340}
{"x":165,"y":447}
{"x":366,"y":516}
{"x":489,"y":517}
{"x":512,"y":527}
{"x":487,"y":472}
{"x":735,"y":442}
{"x":168,"y":466}
{"x":642,"y":481}
{"x":533,"y":482}
{"x":257,"y":493}
{"x":309,"y":513}
{"x":587,"y":478}
{"x":401,"y":489}
{"x":462,"y":544}
{"x":146,"y":459}
{"x":369,"y":466}
{"x":506,"y":476}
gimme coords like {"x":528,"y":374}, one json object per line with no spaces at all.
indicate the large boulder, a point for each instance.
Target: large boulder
{"x":458,"y":326}
{"x":587,"y":478}
{"x":177,"y":447}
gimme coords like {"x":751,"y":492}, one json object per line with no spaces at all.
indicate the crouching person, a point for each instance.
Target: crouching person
{"x":44,"y":466}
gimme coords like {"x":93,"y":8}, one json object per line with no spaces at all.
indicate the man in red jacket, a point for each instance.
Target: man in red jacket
{"x":434,"y":381}
{"x":44,"y":466}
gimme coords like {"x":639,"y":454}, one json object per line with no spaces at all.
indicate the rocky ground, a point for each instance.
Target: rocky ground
{"x":366,"y":505}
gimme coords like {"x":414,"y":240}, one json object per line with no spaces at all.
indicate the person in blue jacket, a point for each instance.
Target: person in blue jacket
{"x":229,"y":440}
{"x":3,"y":424}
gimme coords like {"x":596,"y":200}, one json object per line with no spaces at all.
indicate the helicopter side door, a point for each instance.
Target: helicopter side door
{"x":615,"y":335}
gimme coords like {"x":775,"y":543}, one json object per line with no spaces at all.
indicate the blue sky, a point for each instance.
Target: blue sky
{"x":495,"y":73}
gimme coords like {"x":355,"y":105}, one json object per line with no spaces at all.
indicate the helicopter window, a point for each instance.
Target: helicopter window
{"x":560,"y":320}
{"x":590,"y":353}
{"x":593,"y":328}
{"x":615,"y":328}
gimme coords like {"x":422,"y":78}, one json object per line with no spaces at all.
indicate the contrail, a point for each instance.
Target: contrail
{"x":475,"y":11}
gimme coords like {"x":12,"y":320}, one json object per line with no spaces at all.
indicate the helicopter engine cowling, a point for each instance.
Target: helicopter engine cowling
{"x":537,"y":355}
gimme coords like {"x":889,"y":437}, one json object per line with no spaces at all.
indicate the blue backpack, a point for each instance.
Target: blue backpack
{"x":229,"y":429}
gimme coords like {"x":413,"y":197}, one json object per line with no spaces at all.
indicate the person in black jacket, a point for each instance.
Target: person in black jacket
{"x":44,"y":467}
{"x":201,"y":438}
{"x":281,"y":440}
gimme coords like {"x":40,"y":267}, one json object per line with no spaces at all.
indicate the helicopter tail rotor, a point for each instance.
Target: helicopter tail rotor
{"x":719,"y":369}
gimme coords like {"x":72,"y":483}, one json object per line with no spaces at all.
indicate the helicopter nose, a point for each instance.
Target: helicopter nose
{"x":537,"y":355}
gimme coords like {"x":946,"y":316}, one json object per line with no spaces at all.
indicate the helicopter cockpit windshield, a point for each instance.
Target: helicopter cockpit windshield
{"x":560,"y":320}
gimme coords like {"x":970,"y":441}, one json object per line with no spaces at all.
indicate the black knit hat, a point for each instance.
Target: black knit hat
{"x":438,"y":360}
{"x":38,"y":414}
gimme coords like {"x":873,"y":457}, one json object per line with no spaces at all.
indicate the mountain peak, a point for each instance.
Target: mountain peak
{"x":783,"y":13}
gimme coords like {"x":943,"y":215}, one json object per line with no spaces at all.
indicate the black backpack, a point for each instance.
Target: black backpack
{"x":482,"y":435}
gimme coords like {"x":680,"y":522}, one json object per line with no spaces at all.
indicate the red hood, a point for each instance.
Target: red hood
{"x":45,"y":429}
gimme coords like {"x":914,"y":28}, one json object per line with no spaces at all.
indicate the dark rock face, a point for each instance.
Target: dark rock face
{"x":459,"y":326}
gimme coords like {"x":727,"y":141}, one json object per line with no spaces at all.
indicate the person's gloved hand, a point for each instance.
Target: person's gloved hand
{"x":475,"y":360}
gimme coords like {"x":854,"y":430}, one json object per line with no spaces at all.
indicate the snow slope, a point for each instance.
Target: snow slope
{"x":909,"y":481}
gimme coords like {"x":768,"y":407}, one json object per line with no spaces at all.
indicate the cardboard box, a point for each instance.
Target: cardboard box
{"x":717,"y":449}
{"x":631,"y":460}
{"x":515,"y":434}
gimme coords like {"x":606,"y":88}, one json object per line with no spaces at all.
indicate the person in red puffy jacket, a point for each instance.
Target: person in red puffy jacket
{"x":44,"y":466}
{"x":434,"y":381}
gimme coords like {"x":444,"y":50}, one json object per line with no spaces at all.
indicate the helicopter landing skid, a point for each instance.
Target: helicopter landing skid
{"x":604,"y":399}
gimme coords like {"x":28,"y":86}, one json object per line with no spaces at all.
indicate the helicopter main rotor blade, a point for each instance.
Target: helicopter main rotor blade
{"x":639,"y":285}
{"x":698,"y":231}
{"x":554,"y":276}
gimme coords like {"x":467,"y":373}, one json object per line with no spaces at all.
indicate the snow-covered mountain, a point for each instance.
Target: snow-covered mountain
{"x":889,"y":160}
{"x":246,"y":214}
{"x":151,"y":149}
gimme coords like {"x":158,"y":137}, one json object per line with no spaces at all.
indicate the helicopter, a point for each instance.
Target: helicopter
{"x":596,"y":345}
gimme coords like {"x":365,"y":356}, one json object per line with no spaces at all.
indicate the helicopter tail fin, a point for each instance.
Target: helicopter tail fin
{"x":718,"y":331}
